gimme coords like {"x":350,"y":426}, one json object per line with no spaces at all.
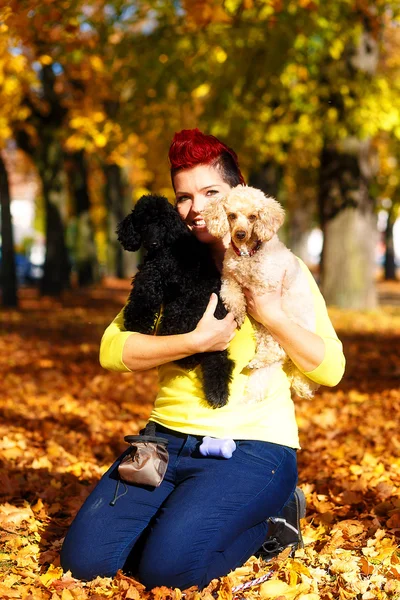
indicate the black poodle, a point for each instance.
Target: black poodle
{"x":179,"y":275}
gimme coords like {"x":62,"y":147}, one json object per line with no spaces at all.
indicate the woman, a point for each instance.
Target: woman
{"x":209,"y":515}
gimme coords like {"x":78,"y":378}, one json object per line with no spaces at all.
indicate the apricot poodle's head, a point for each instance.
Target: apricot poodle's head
{"x":246,"y":212}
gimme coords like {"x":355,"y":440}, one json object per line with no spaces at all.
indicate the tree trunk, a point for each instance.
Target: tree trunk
{"x":268,"y":178}
{"x":86,"y":264}
{"x":299,"y":227}
{"x":57,"y":265}
{"x":8,"y":272}
{"x":115,"y":201}
{"x":349,"y":226}
{"x":390,"y":265}
{"x":48,"y":157}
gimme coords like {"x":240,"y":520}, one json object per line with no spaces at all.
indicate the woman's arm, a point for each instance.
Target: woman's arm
{"x":318,"y":355}
{"x":122,"y":350}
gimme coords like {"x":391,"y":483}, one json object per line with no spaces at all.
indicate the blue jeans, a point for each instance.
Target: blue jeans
{"x":206,"y":518}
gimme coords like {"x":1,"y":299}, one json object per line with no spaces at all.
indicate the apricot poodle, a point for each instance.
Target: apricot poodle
{"x":257,"y":258}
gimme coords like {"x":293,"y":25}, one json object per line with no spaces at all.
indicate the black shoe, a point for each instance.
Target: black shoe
{"x":284,"y":531}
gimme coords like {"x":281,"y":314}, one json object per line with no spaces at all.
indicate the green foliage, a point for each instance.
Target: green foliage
{"x":275,"y":78}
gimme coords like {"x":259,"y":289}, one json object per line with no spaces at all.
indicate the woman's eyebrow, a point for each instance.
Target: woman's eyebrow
{"x":202,"y":189}
{"x":210,"y":186}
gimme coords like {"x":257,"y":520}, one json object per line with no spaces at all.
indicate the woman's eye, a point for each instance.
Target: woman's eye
{"x":182,"y":198}
{"x":212,"y":192}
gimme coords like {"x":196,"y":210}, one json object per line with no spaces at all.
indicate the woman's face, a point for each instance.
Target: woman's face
{"x":192,"y":189}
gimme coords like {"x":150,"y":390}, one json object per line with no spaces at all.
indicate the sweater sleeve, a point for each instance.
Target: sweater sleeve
{"x":112,"y":344}
{"x":330,"y":371}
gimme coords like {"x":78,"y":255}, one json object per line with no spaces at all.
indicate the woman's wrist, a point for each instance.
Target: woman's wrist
{"x":197,"y":342}
{"x":193,"y":342}
{"x":305,"y":348}
{"x":274,"y":319}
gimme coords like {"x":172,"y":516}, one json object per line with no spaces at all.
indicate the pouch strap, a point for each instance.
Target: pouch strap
{"x":116,"y":497}
{"x":131,"y":439}
{"x":150,"y":429}
{"x":149,"y":435}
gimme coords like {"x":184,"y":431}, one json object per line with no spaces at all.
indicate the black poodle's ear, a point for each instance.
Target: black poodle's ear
{"x":130,"y":238}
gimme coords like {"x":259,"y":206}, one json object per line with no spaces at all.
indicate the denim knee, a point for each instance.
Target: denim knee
{"x":155,"y":571}
{"x":83,"y":562}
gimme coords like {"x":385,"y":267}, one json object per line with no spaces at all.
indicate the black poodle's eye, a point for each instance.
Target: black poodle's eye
{"x":252,"y":218}
{"x":232,"y":216}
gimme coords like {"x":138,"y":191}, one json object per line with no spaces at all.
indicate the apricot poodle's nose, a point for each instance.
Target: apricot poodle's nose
{"x":240,"y":235}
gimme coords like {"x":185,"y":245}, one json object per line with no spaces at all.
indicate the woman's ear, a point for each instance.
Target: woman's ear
{"x":129,"y":237}
{"x":215,"y":217}
{"x":270,"y":218}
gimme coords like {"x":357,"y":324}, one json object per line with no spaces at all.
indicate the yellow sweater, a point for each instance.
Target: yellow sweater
{"x":180,"y":402}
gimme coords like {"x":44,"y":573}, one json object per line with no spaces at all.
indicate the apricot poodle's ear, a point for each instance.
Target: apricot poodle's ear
{"x":215,"y":217}
{"x":270,"y":218}
{"x":129,"y":237}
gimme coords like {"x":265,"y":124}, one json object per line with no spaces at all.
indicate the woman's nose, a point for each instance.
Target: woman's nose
{"x":198,"y":204}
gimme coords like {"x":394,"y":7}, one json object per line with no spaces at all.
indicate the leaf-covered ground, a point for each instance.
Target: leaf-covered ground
{"x":63,"y":420}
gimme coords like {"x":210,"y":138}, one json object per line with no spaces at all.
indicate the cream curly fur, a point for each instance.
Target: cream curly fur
{"x":250,"y":217}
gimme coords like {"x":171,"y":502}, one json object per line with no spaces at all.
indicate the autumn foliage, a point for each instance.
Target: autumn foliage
{"x":63,"y":422}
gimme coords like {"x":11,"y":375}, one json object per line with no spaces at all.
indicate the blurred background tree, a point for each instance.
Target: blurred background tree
{"x":15,"y":74}
{"x":306,"y":92}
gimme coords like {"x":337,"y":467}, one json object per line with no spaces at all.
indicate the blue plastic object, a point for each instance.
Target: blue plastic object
{"x":216,"y":447}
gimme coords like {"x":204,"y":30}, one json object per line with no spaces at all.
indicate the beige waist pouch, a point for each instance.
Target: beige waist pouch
{"x":147,"y":462}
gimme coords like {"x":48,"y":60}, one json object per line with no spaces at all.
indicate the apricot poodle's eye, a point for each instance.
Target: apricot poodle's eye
{"x":232,"y":216}
{"x":252,"y":218}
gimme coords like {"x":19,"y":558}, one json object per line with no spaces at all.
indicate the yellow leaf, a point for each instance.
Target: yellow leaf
{"x":67,"y":595}
{"x":336,"y":49}
{"x":97,"y":63}
{"x":273,"y":588}
{"x":11,"y":514}
{"x":98,"y":116}
{"x":220,"y":55}
{"x":52,"y":574}
{"x":201,"y":91}
{"x":6,"y":592}
{"x":38,"y":506}
{"x":100,"y":140}
{"x":45,"y":59}
{"x":11,"y":579}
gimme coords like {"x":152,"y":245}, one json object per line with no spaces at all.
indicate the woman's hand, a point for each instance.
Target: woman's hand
{"x":265,"y":308}
{"x":213,"y":334}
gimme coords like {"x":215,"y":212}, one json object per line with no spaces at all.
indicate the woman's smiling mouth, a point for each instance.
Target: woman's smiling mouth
{"x":198,"y":223}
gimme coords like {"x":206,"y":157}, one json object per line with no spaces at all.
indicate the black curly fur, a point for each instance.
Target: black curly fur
{"x":178,"y":273}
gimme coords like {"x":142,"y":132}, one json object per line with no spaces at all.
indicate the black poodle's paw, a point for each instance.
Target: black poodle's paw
{"x":216,"y":374}
{"x":217,"y":400}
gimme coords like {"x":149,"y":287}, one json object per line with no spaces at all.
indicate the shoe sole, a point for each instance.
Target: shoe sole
{"x":301,"y":513}
{"x":300,"y":500}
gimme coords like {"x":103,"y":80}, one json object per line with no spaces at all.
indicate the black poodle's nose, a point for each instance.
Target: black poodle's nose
{"x":240,"y":235}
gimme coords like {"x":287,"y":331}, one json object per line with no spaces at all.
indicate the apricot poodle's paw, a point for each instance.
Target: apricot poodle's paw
{"x":239,"y":318}
{"x":252,"y":396}
{"x":303,"y":387}
{"x":258,"y":361}
{"x":257,"y":385}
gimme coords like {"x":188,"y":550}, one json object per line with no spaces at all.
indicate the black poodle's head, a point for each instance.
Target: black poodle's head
{"x":153,"y":224}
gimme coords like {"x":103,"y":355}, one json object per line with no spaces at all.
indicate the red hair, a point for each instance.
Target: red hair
{"x":191,"y":147}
